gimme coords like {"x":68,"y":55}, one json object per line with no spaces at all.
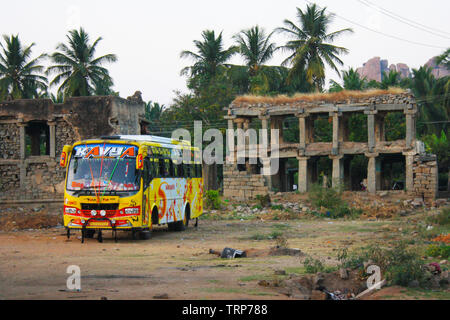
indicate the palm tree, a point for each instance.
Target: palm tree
{"x":20,"y":76}
{"x":391,"y":79}
{"x":210,"y":58}
{"x":75,"y":65}
{"x":255,"y":47}
{"x":432,"y":99}
{"x":309,"y":47}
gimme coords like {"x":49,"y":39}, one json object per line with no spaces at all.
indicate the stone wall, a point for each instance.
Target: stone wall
{"x":10,"y":146}
{"x":425,"y":172}
{"x":239,"y":185}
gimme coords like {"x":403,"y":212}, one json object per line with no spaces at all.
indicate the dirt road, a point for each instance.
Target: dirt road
{"x":178,"y":264}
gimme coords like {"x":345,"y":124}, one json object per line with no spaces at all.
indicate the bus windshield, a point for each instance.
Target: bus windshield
{"x":103,"y":168}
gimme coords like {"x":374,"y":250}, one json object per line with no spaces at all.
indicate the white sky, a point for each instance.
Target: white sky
{"x":148,"y":36}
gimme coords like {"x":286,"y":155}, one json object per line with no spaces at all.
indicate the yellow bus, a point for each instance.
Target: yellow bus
{"x":131,"y":183}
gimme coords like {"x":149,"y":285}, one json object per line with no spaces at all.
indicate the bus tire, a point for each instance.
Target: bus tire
{"x":145,"y":234}
{"x":183,"y":224}
{"x":89,"y":233}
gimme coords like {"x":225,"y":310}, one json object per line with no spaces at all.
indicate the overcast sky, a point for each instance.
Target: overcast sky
{"x":148,"y":36}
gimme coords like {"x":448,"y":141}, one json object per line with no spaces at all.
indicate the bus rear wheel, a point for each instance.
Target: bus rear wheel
{"x":179,"y":225}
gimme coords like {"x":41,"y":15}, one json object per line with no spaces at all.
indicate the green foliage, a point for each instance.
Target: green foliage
{"x":80,"y":72}
{"x":213,"y":199}
{"x":442,"y":250}
{"x":276,"y":207}
{"x":309,"y":50}
{"x":399,"y":264}
{"x":263,"y":200}
{"x":20,"y":76}
{"x":313,"y":265}
{"x":442,"y":218}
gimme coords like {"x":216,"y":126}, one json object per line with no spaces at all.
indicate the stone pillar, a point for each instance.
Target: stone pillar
{"x":309,"y":132}
{"x":231,"y":145}
{"x":379,"y":128}
{"x":277,"y":123}
{"x":409,"y":173}
{"x":302,"y":132}
{"x":335,"y":148}
{"x":372,"y":172}
{"x":343,"y":128}
{"x":302,"y":174}
{"x":266,"y":171}
{"x":371,"y":129}
{"x":22,"y":125}
{"x":337,"y":176}
{"x":52,"y":132}
{"x":410,"y":128}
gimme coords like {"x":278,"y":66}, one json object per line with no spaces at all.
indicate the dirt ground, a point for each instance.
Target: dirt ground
{"x":179,"y":265}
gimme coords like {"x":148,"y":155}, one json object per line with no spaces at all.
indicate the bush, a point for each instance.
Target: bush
{"x":313,"y":265}
{"x":442,"y":250}
{"x":213,"y":199}
{"x":399,"y":265}
{"x":263,"y":200}
{"x":331,"y":200}
{"x":442,"y":218}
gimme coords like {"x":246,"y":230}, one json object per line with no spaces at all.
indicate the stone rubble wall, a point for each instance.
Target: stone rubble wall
{"x":425,"y":172}
{"x":241,"y":186}
{"x":10,"y":144}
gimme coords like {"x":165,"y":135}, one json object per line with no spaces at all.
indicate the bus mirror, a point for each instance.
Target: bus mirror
{"x":140,"y":157}
{"x":65,"y":155}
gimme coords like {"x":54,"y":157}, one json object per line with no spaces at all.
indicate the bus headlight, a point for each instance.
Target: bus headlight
{"x":93,"y":213}
{"x":103,"y":213}
{"x":70,"y":210}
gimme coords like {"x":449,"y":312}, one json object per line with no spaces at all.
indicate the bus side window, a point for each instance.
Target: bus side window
{"x":198,"y":170}
{"x":186,"y":170}
{"x":156,"y":167}
{"x":176,"y":169}
{"x":180,"y":170}
{"x":192,"y":170}
{"x":166,"y":165}
{"x":147,"y":169}
{"x":162,"y":168}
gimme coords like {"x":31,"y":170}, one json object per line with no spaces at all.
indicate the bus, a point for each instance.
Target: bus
{"x":131,"y":183}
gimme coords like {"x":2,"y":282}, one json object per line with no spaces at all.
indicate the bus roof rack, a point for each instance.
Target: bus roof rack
{"x":148,"y":138}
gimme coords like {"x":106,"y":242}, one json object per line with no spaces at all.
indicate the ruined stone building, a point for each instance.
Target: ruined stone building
{"x":34,"y":131}
{"x":405,"y":156}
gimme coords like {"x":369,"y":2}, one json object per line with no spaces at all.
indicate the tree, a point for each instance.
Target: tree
{"x":75,"y":64}
{"x":352,"y":81}
{"x":432,"y":100}
{"x":255,"y":48}
{"x":309,"y":48}
{"x":210,"y":59}
{"x":20,"y":76}
{"x":391,"y":79}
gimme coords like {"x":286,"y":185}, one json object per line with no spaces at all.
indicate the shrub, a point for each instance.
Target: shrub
{"x":313,"y":265}
{"x":331,"y":200}
{"x":213,"y":199}
{"x":263,"y":200}
{"x":399,"y":264}
{"x":442,"y":218}
{"x":442,"y":250}
{"x":276,"y":207}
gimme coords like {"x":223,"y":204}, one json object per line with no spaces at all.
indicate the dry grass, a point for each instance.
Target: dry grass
{"x":310,"y":97}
